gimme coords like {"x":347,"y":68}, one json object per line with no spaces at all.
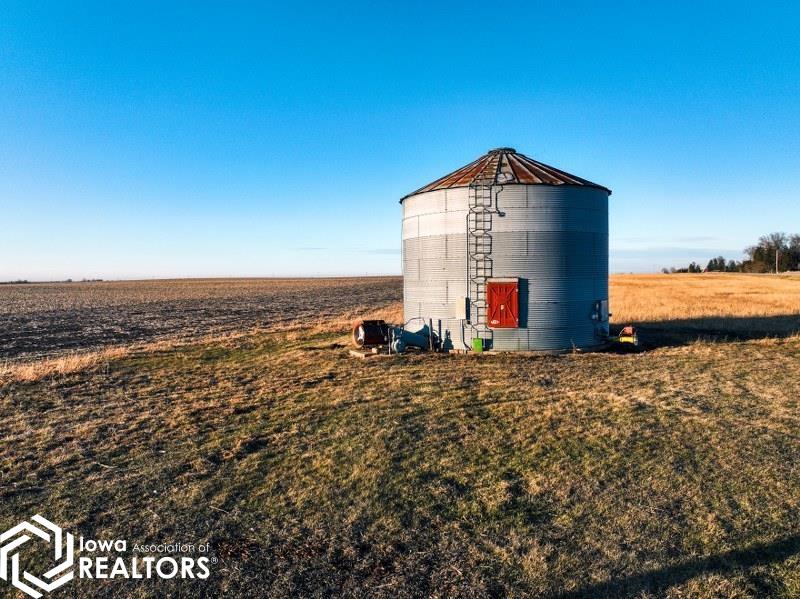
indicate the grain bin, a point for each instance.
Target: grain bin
{"x":508,"y":254}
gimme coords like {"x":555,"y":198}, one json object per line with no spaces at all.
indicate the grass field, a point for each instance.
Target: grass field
{"x":677,"y":309}
{"x":671,"y":472}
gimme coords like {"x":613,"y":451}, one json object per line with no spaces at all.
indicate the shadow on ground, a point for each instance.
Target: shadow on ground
{"x":658,"y":581}
{"x":670,"y":333}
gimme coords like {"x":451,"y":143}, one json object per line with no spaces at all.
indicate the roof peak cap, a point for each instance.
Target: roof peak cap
{"x":502,"y":151}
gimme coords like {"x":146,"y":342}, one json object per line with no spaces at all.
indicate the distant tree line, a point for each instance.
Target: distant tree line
{"x":760,"y":257}
{"x":27,"y":282}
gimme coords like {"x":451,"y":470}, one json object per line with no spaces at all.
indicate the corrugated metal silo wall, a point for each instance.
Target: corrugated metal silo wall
{"x":553,"y":238}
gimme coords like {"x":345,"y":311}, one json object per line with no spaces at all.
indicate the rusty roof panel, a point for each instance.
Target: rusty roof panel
{"x":505,"y":166}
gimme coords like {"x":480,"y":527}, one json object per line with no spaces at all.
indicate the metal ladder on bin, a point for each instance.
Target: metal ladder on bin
{"x":479,"y":253}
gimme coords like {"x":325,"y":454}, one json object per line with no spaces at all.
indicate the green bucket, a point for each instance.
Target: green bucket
{"x":477,"y":344}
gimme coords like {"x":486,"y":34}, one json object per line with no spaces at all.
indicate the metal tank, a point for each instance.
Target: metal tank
{"x":510,"y":252}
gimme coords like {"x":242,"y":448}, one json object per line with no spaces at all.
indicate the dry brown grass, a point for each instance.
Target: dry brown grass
{"x":654,"y":298}
{"x":679,"y":308}
{"x":22,"y":372}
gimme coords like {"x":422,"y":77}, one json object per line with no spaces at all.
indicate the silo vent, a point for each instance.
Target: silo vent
{"x":502,"y":151}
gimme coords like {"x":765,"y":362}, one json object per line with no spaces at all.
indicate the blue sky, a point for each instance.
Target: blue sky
{"x":237,"y":139}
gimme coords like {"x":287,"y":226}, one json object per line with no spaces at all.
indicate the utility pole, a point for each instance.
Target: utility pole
{"x":777,"y":253}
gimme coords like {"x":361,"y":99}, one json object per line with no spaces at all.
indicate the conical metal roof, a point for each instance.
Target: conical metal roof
{"x":504,"y":166}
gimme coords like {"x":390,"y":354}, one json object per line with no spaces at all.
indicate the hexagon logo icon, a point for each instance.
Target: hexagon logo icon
{"x":63,"y":545}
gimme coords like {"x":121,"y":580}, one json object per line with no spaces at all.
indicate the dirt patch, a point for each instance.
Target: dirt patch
{"x":42,"y":320}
